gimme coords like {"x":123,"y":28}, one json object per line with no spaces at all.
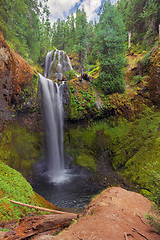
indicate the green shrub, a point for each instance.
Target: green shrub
{"x":70,"y":75}
{"x":137,"y":79}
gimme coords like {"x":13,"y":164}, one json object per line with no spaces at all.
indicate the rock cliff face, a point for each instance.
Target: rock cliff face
{"x":19,"y":111}
{"x":154,"y":73}
{"x":18,"y":82}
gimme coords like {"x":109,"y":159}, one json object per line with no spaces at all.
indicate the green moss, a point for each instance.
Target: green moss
{"x":133,"y":148}
{"x":15,"y":187}
{"x":70,"y":74}
{"x":139,"y":167}
{"x":126,"y":140}
{"x":95,"y":70}
{"x":20,"y":148}
{"x":86,"y":161}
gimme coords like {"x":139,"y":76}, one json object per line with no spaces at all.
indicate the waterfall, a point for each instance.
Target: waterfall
{"x":57,"y":65}
{"x":53,"y":116}
{"x":52,"y":102}
{"x":48,"y":62}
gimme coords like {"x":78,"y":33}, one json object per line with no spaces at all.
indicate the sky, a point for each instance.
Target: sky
{"x":63,"y":8}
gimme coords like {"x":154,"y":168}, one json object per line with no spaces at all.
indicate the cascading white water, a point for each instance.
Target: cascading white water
{"x":52,"y":102}
{"x":48,"y":63}
{"x":53,"y":115}
{"x":57,"y":65}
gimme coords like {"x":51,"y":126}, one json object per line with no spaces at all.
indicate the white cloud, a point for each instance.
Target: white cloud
{"x":58,"y":7}
{"x":91,"y":7}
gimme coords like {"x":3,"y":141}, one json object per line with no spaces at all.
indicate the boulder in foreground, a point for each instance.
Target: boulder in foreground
{"x":115,"y":214}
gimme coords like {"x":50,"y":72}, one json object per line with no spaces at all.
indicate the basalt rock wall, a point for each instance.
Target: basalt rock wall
{"x":18,"y":83}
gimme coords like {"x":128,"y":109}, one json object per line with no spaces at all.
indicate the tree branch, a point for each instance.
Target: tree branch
{"x":41,"y":209}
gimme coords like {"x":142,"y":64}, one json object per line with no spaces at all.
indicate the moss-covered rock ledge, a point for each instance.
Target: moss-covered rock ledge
{"x":15,"y":187}
{"x":131,"y":148}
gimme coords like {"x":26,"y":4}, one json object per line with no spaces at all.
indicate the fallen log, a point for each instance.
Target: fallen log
{"x":40,"y":208}
{"x":38,"y":224}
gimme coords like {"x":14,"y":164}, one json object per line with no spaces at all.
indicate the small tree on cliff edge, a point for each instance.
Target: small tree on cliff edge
{"x":110,"y":40}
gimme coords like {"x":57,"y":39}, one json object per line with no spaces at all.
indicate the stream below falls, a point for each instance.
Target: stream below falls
{"x":77,"y":188}
{"x":75,"y":191}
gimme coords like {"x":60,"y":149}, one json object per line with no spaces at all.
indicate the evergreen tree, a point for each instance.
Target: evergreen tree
{"x":70,"y":41}
{"x":91,"y":54}
{"x":45,"y":32}
{"x":72,"y":31}
{"x":110,"y":40}
{"x":151,"y":17}
{"x":81,"y":36}
{"x":21,"y":23}
{"x":142,"y":18}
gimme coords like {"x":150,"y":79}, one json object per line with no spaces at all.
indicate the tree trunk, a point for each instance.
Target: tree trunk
{"x":129,"y":39}
{"x":38,"y":224}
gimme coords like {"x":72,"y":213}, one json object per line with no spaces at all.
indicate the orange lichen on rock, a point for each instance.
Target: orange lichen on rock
{"x":15,"y":73}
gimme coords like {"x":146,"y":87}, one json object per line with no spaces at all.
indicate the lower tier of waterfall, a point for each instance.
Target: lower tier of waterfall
{"x":52,"y":107}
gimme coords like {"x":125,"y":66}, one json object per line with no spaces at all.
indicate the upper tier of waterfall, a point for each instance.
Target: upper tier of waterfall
{"x":57,"y":64}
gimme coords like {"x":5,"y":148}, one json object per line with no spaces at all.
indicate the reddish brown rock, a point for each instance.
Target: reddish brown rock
{"x":116,"y":214}
{"x":15,"y":75}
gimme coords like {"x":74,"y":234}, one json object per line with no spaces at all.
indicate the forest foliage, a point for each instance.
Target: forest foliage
{"x":26,"y":26}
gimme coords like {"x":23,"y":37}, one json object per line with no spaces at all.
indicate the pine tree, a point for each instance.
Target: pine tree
{"x":151,"y":17}
{"x":110,"y":40}
{"x":141,"y":17}
{"x":81,"y":36}
{"x":70,"y":42}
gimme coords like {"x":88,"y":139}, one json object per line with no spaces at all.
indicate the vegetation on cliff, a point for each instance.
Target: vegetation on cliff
{"x":20,"y":148}
{"x":132,"y":148}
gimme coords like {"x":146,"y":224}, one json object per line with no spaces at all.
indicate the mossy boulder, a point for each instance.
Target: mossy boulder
{"x":86,"y":161}
{"x":15,"y":187}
